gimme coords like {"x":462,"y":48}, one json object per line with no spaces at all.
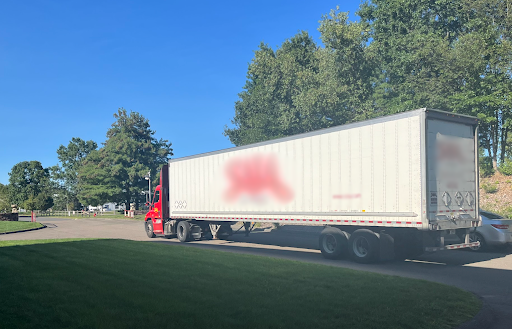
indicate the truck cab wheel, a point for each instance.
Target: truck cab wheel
{"x":364,"y":246}
{"x":149,"y":228}
{"x":183,"y":231}
{"x":333,"y":243}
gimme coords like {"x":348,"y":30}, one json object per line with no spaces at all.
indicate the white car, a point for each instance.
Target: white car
{"x":495,"y":231}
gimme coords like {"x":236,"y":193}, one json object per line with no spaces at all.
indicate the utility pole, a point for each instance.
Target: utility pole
{"x":148,"y":178}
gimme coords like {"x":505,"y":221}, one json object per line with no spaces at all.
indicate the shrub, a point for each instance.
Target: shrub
{"x":507,"y":212}
{"x":485,"y":164}
{"x":506,"y":167}
{"x":490,"y":188}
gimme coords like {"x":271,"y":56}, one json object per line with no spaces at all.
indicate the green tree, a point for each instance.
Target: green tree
{"x":453,"y":55}
{"x":30,"y":186}
{"x":301,"y":87}
{"x":487,"y":92}
{"x":347,"y":70}
{"x":412,"y":40}
{"x":115,"y":172}
{"x":273,"y":102}
{"x":40,"y":202}
{"x":5,"y":205}
{"x":65,"y":175}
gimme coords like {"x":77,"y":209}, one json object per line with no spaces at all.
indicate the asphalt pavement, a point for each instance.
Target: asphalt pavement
{"x":487,"y":274}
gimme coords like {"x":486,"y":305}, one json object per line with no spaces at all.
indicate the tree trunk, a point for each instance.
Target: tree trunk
{"x":503,"y":144}
{"x":127,"y":197}
{"x":494,"y":147}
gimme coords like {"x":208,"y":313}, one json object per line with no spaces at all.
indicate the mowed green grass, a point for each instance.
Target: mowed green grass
{"x":7,"y":226}
{"x":11,"y":243}
{"x":128,"y":284}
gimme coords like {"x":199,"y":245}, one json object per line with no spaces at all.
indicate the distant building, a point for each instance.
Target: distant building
{"x":110,"y":206}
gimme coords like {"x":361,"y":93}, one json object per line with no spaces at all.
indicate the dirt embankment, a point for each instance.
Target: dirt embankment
{"x":496,"y":194}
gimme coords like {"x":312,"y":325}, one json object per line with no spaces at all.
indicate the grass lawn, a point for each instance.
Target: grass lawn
{"x":6,"y":226}
{"x":10,"y":243}
{"x":128,"y":284}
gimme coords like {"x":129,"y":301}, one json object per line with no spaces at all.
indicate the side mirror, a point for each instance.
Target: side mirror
{"x":147,"y":203}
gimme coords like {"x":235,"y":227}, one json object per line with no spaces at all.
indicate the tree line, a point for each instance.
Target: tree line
{"x":88,"y":175}
{"x":400,"y":55}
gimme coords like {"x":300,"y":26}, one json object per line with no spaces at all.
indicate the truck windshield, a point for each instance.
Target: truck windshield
{"x":156,"y":197}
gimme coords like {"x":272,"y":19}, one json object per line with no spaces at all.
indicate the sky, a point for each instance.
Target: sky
{"x":67,"y":66}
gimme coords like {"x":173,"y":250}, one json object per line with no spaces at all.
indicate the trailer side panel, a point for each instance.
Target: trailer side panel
{"x":365,"y":174}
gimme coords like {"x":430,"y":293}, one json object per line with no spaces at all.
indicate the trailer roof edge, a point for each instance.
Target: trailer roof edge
{"x":431,"y":113}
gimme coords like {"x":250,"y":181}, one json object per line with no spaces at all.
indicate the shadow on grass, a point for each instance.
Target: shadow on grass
{"x":463,"y":269}
{"x":119,"y":283}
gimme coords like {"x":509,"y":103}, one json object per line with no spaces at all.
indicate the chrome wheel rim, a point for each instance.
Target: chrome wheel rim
{"x":361,"y":246}
{"x":330,"y":243}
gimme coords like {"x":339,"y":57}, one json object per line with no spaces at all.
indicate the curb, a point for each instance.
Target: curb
{"x":483,"y":319}
{"x":27,"y":230}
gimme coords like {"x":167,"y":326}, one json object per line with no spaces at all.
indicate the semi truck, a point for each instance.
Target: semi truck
{"x":385,"y":188}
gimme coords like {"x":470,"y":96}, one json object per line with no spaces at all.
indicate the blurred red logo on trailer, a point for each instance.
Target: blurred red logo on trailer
{"x":449,"y":150}
{"x":254,"y":176}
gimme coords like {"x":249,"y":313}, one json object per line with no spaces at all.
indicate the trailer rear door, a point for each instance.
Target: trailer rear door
{"x":451,"y":163}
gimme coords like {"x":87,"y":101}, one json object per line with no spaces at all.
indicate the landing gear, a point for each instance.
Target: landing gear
{"x":220,"y":231}
{"x":214,"y":228}
{"x":225,"y":232}
{"x":248,"y":228}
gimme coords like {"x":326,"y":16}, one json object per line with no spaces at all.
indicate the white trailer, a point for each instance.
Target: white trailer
{"x":386,"y":187}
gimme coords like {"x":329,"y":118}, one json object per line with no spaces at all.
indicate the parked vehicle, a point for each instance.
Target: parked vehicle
{"x":495,"y":231}
{"x":389,"y":187}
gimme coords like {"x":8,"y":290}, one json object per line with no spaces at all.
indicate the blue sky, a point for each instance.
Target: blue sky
{"x":66,"y":66}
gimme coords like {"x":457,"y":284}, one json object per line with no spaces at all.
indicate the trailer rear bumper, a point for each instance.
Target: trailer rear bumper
{"x":454,"y":246}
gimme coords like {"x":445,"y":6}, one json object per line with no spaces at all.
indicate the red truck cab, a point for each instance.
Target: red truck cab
{"x":159,"y":208}
{"x":155,"y":211}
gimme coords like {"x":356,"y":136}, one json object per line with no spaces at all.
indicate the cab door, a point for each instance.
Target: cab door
{"x":157,"y":211}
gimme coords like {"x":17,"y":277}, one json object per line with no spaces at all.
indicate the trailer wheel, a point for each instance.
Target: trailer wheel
{"x":333,"y":243}
{"x":149,"y":228}
{"x":364,"y":246}
{"x":183,"y":231}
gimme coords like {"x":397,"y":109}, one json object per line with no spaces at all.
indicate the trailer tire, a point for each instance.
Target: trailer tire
{"x":183,"y":231}
{"x":149,"y":228}
{"x":333,"y":243}
{"x":364,"y":246}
